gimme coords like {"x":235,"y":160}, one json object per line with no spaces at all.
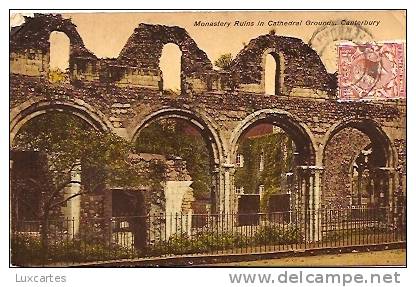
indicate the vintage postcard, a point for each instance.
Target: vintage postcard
{"x":178,"y":138}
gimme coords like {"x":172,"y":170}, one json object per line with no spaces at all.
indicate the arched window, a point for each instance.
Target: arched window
{"x":272,"y":74}
{"x":170,"y":65}
{"x":58,"y":51}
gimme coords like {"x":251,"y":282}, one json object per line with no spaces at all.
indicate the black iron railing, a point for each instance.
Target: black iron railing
{"x":97,"y":239}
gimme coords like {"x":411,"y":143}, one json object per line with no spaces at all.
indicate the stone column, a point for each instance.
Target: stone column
{"x":216,"y":189}
{"x":174,"y":194}
{"x":72,"y":210}
{"x":317,"y":173}
{"x":226,"y":197}
{"x":310,"y":191}
{"x":301,"y":200}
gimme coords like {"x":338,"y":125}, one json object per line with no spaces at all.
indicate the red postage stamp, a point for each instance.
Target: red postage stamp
{"x":371,"y":71}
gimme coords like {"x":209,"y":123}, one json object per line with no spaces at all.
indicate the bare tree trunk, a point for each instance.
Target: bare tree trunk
{"x":44,"y":231}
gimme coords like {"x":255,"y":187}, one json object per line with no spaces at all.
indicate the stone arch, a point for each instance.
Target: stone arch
{"x":203,"y":124}
{"x":30,"y":109}
{"x":304,"y":140}
{"x":208,"y":131}
{"x":306,"y":185}
{"x":372,"y":129}
{"x":358,"y":134}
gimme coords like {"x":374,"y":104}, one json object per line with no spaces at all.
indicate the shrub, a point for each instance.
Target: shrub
{"x":278,"y":235}
{"x":26,"y":250}
{"x":57,"y":76}
{"x":199,"y":243}
{"x":205,"y":242}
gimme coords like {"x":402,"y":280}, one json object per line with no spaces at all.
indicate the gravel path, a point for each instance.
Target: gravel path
{"x":395,"y":257}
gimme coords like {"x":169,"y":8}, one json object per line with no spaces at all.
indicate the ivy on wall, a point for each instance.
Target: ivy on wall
{"x":277,"y":150}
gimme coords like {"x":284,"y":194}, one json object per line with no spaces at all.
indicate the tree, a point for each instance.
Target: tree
{"x":68,"y":143}
{"x":173,"y":138}
{"x":224,"y":61}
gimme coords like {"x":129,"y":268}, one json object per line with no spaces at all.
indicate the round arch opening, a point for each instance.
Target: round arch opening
{"x":44,"y":155}
{"x":268,"y":151}
{"x":182,"y":136}
{"x":28,"y":111}
{"x":359,"y":163}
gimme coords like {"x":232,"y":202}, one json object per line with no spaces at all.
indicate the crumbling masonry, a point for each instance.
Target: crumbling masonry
{"x":125,"y":94}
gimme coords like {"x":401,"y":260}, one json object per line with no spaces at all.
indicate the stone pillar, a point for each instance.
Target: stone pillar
{"x":310,"y":178}
{"x":226,"y":196}
{"x":317,"y":173}
{"x":72,"y":210}
{"x":300,"y":201}
{"x":174,"y":194}
{"x":216,"y":189}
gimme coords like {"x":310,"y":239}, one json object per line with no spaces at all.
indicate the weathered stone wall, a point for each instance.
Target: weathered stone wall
{"x":31,"y":63}
{"x":35,"y":33}
{"x":138,"y":63}
{"x":124,"y":94}
{"x":340,"y":153}
{"x":95,"y":222}
{"x":300,"y":64}
{"x":400,"y":146}
{"x":94,"y":205}
{"x":30,"y":44}
{"x":129,"y":106}
{"x":144,"y":49}
{"x":125,"y":108}
{"x":168,"y":198}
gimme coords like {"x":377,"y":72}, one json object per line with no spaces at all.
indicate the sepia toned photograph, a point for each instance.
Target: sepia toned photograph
{"x":207,"y":138}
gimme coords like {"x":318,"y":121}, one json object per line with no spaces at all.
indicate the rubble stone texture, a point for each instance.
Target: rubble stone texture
{"x":124,"y":94}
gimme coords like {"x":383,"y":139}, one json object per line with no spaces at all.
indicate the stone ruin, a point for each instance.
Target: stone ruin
{"x":125,"y":94}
